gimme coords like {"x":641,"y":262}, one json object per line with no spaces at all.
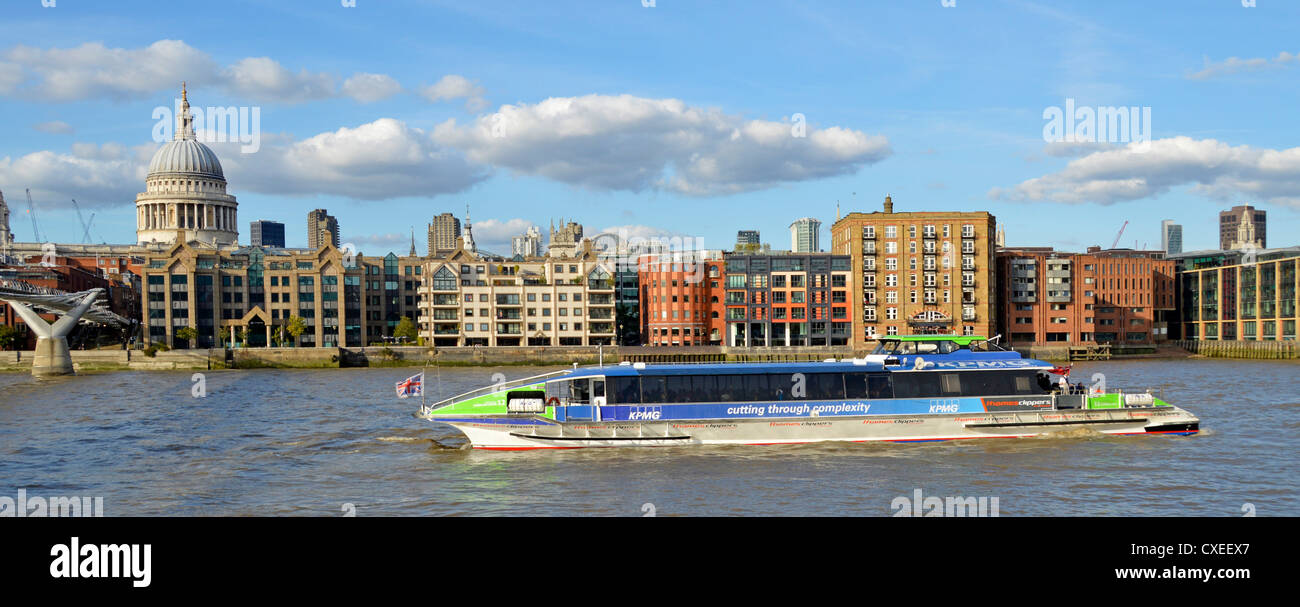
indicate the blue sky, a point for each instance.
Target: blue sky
{"x":672,"y":119}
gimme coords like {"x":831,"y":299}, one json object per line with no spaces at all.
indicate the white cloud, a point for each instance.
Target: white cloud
{"x":633,"y":143}
{"x":94,"y":71}
{"x":494,"y":235}
{"x":54,"y":127}
{"x":374,"y":161}
{"x":452,"y":87}
{"x":263,"y":78}
{"x":1233,"y":65}
{"x":1073,"y":149}
{"x":96,"y":175}
{"x":369,"y":88}
{"x":1213,"y":168}
{"x":11,"y":75}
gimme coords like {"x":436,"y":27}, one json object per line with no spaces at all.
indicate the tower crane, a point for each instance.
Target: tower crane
{"x":1120,"y":235}
{"x":31,"y":210}
{"x":85,"y":225}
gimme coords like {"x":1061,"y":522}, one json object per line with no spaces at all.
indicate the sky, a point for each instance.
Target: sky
{"x":664,"y":117}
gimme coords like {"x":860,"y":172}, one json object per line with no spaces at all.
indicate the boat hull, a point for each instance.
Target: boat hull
{"x":520,"y":432}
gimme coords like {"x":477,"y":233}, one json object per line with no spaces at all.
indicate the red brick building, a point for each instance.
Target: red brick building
{"x":1113,"y":296}
{"x":72,"y":274}
{"x":681,"y":298}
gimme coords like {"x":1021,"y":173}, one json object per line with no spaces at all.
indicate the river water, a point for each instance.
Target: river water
{"x":310,"y":442}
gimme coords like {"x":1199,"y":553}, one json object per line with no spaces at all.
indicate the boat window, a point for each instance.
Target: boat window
{"x":731,"y":388}
{"x":756,"y":388}
{"x":705,"y":388}
{"x":653,"y":390}
{"x":557,"y":389}
{"x":886,"y":347}
{"x":780,"y":385}
{"x":825,"y":386}
{"x":1023,"y":385}
{"x":679,"y":388}
{"x":950,"y":383}
{"x":879,"y":386}
{"x":855,"y":385}
{"x":598,"y":388}
{"x":916,"y":385}
{"x":580,"y":391}
{"x":626,"y":390}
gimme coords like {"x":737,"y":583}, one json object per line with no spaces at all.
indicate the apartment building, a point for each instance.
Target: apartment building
{"x":923,"y":272}
{"x":681,"y":298}
{"x":792,"y":299}
{"x":1102,"y":296}
{"x":472,"y":299}
{"x":1231,"y":295}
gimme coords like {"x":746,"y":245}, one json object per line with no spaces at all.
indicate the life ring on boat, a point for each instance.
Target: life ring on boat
{"x":553,"y":402}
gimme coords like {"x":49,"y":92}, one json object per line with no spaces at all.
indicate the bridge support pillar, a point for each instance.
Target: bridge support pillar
{"x":52,"y":356}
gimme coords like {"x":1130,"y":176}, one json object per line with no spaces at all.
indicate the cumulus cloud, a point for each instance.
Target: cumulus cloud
{"x":11,"y":75}
{"x":1233,"y":65}
{"x":494,"y":235}
{"x":633,"y":143}
{"x":1211,"y":167}
{"x":96,"y":175}
{"x":369,"y":88}
{"x":54,"y":127}
{"x":452,"y":87}
{"x":94,"y":71}
{"x":374,"y":161}
{"x":263,"y":77}
{"x":1074,"y":149}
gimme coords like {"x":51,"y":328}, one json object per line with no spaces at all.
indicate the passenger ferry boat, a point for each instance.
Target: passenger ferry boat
{"x":914,"y":388}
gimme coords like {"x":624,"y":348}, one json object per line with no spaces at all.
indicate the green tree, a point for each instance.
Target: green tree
{"x":224,"y":335}
{"x":296,"y":327}
{"x":189,"y":334}
{"x":8,"y":337}
{"x":406,"y":329}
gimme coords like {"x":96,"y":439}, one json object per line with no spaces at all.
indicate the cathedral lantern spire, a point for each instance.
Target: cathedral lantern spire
{"x":184,"y":121}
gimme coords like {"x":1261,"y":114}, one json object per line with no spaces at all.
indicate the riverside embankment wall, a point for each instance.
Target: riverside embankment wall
{"x":412,"y":356}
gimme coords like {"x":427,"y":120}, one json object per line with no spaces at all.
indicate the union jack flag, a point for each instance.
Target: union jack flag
{"x":411,"y":386}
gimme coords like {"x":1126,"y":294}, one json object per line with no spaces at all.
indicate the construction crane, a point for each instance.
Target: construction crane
{"x":31,"y":210}
{"x":85,"y":225}
{"x":1120,"y":235}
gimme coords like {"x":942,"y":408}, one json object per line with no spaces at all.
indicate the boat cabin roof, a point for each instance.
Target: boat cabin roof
{"x":954,"y":362}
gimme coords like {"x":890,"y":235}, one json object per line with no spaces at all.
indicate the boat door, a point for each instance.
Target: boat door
{"x":578,"y":400}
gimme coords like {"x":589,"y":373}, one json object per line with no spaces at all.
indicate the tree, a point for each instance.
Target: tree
{"x":241,"y":336}
{"x":296,"y":327}
{"x":188,"y":334}
{"x":406,"y":329}
{"x":224,"y":335}
{"x":8,"y":337}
